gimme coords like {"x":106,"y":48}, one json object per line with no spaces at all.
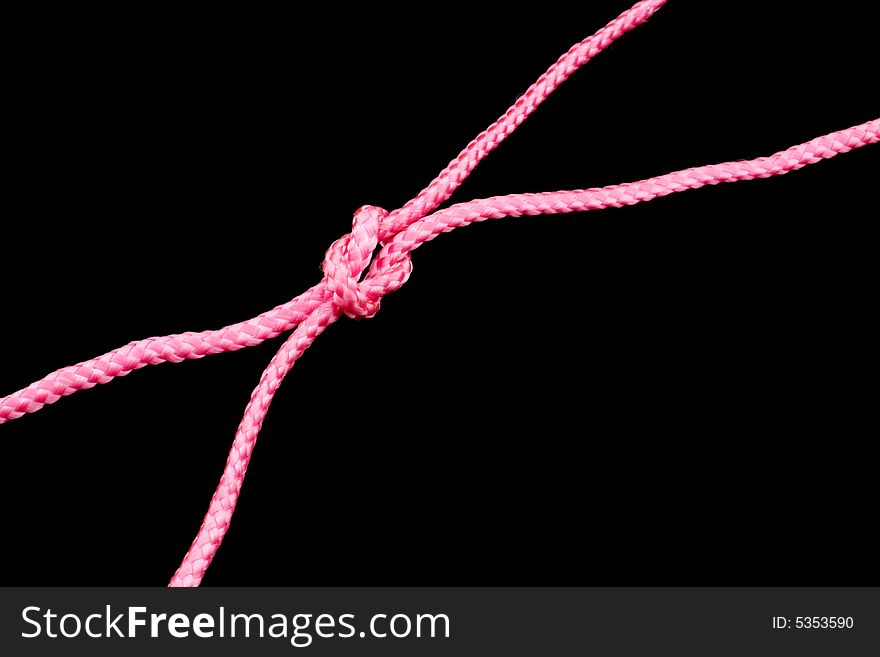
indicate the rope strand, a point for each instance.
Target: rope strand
{"x":355,"y":281}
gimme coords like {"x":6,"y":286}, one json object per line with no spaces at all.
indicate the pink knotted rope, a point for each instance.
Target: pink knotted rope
{"x":355,"y":281}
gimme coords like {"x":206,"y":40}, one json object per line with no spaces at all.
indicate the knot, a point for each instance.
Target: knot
{"x":348,"y":258}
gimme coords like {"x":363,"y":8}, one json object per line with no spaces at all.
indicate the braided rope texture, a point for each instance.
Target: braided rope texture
{"x":355,"y":281}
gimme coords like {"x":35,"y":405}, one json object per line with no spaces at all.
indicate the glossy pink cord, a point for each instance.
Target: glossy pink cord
{"x":354,"y":281}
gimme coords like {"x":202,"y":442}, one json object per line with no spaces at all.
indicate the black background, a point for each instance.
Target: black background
{"x":676,"y":392}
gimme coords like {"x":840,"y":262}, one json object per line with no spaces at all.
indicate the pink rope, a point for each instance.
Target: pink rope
{"x":355,"y":281}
